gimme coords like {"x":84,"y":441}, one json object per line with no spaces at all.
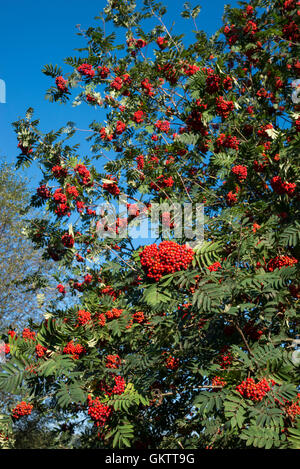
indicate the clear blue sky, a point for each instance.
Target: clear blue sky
{"x":36,"y":32}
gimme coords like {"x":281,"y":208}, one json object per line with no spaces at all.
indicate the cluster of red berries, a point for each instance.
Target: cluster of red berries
{"x":163,"y":126}
{"x":147,"y":87}
{"x":120,"y":82}
{"x":291,"y":32}
{"x":213,"y":81}
{"x":90,"y":98}
{"x":190,"y":70}
{"x":140,"y":159}
{"x":214,"y":267}
{"x":223,"y":107}
{"x":262,"y":131}
{"x":72,"y":191}
{"x":120,"y":127}
{"x":98,"y":412}
{"x":231,"y":34}
{"x":226,"y":141}
{"x":225,"y":358}
{"x":101,"y":319}
{"x":86,"y":70}
{"x":218,"y":381}
{"x":75,"y":350}
{"x":59,"y":196}
{"x":79,"y":258}
{"x":292,"y":409}
{"x":240,"y":171}
{"x":227,"y":83}
{"x":89,"y":211}
{"x":117,"y":83}
{"x":280,"y":261}
{"x":194,"y":122}
{"x":113,"y":361}
{"x":103,"y":71}
{"x":251,"y":27}
{"x":168,"y":258}
{"x":112,"y":186}
{"x":105,"y":135}
{"x":231,"y":198}
{"x":21,"y":409}
{"x":84,"y":174}
{"x":139,"y":117}
{"x":281,"y":187}
{"x":27,"y":334}
{"x":62,"y":210}
{"x":259,"y":166}
{"x":61,"y":84}
{"x":84,"y":317}
{"x":137,"y":43}
{"x":254,"y":391}
{"x":169,"y":72}
{"x":290,"y":5}
{"x":118,"y":387}
{"x":79,"y":286}
{"x":108,"y":290}
{"x":172,"y":363}
{"x":59,"y":172}
{"x":80,"y":206}
{"x":60,"y":199}
{"x":67,"y":240}
{"x":162,"y":182}
{"x":138,"y":317}
{"x":43,"y":192}
{"x":162,"y":42}
{"x":249,"y":10}
{"x":114,"y":313}
{"x":40,"y":350}
{"x":88,"y":278}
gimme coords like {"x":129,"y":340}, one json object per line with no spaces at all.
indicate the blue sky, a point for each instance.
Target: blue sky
{"x":36,"y":32}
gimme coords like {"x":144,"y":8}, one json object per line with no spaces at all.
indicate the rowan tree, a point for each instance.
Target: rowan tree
{"x":172,"y":345}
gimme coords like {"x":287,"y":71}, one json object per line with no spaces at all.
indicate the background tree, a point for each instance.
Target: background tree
{"x":21,"y":263}
{"x":165,"y":346}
